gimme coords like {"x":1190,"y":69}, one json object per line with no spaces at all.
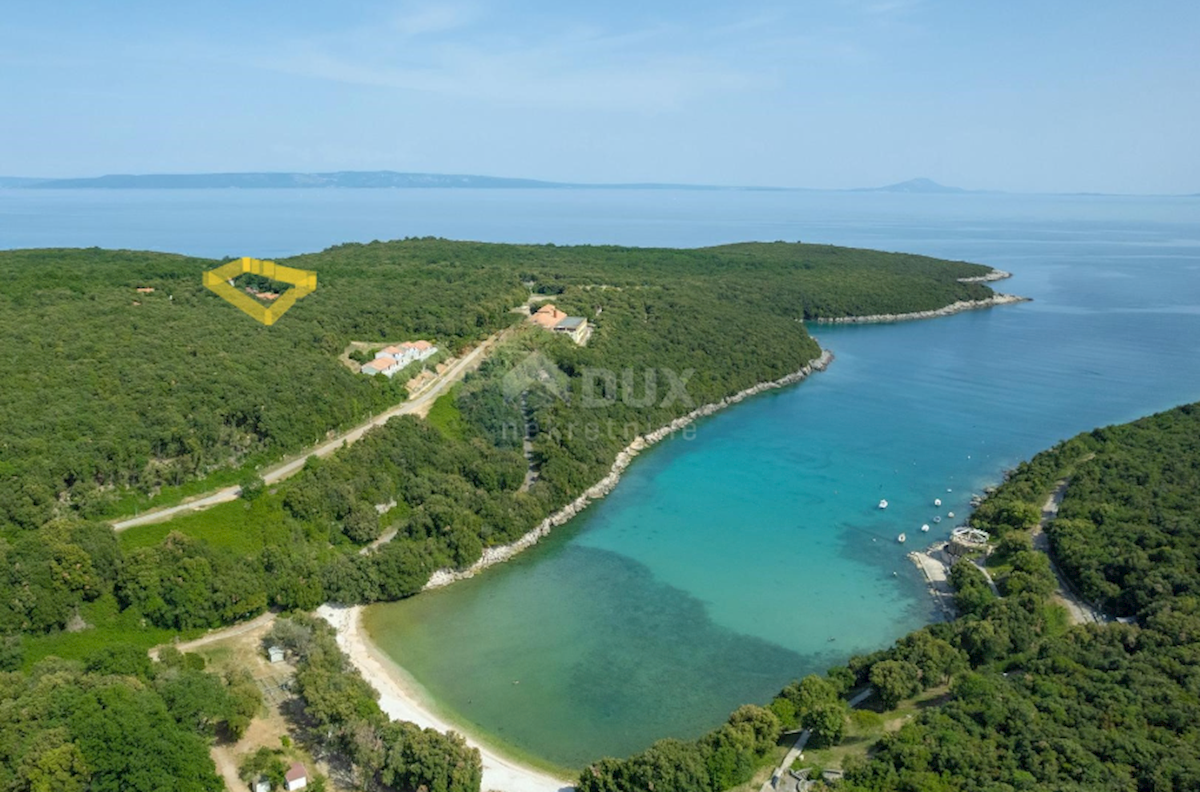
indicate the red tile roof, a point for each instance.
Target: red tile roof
{"x":381,"y":363}
{"x":547,"y":316}
{"x":295,"y":772}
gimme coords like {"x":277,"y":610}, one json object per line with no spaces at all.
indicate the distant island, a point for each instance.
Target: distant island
{"x":337,"y":179}
{"x":385,"y":179}
{"x":923,"y":186}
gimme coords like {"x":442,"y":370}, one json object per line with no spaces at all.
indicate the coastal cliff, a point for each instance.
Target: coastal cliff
{"x":502,"y":553}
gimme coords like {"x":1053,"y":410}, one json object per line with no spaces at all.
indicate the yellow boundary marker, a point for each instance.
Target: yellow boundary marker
{"x":303,"y":282}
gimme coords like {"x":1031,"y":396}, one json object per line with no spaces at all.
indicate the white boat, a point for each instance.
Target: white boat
{"x":950,"y":515}
{"x":883,"y":504}
{"x":901,"y":538}
{"x":925,"y":528}
{"x":937,"y":519}
{"x":937,"y":501}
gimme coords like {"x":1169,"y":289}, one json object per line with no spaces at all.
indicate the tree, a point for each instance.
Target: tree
{"x":131,"y":744}
{"x":894,"y":681}
{"x":729,"y":755}
{"x":121,"y":659}
{"x":51,"y":764}
{"x":195,"y":699}
{"x":263,"y":763}
{"x":761,"y":722}
{"x":401,"y":570}
{"x":362,"y":523}
{"x":669,"y":766}
{"x":426,"y":759}
{"x":244,"y":700}
{"x":252,"y":486}
{"x":826,"y":723}
{"x":935,"y":658}
{"x":12,"y":652}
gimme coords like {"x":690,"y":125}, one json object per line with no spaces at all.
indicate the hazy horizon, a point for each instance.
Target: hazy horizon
{"x":842,"y":94}
{"x":917,"y":185}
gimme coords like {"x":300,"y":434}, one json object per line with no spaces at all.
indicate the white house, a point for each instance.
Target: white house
{"x":382,"y":365}
{"x":275,"y":654}
{"x":391,"y":359}
{"x":263,"y":784}
{"x":295,"y":777}
{"x":421,"y":349}
{"x":574,"y":326}
{"x":399,"y":353}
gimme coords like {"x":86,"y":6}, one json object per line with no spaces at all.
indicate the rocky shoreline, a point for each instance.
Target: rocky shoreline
{"x":934,"y":564}
{"x":502,"y":553}
{"x":994,"y":275}
{"x":952,"y":308}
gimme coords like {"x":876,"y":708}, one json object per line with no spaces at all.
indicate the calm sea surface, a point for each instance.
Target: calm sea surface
{"x":725,"y":565}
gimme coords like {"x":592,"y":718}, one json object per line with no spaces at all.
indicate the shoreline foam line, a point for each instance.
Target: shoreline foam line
{"x":501,"y":553}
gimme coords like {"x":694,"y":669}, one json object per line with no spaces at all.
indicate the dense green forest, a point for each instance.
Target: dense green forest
{"x":106,"y":388}
{"x":1029,"y":702}
{"x":108,"y":392}
{"x":118,"y":722}
{"x":102,"y":394}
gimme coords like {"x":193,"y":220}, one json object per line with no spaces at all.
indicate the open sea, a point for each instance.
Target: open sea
{"x":725,"y":565}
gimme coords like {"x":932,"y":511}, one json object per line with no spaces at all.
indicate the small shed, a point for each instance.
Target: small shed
{"x":295,"y":777}
{"x":275,"y":654}
{"x":263,"y":784}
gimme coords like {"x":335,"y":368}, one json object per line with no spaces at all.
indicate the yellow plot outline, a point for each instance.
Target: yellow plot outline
{"x":303,"y":282}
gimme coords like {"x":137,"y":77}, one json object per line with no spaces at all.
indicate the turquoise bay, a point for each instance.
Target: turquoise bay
{"x":725,"y":565}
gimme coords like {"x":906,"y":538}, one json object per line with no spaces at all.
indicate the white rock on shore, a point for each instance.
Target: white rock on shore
{"x":501,"y":553}
{"x":952,"y":308}
{"x":994,"y":275}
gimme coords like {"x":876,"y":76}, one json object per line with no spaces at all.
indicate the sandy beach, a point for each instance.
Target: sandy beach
{"x":401,"y":701}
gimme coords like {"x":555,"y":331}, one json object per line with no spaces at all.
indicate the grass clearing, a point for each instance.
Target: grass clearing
{"x":245,"y":527}
{"x":109,"y":626}
{"x":446,"y":417}
{"x":130,"y":502}
{"x":867,"y":725}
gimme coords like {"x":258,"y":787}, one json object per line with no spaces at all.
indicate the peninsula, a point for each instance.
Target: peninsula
{"x":199,"y":398}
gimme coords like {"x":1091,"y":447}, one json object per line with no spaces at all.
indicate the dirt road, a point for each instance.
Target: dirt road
{"x":418,"y":404}
{"x":1080,"y":611}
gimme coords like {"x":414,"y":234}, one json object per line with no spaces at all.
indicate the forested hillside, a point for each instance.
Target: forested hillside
{"x":106,"y":388}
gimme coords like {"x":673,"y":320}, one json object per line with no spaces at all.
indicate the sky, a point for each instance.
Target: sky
{"x":1068,"y":96}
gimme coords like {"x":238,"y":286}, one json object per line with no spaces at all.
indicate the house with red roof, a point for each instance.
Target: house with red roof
{"x":295,"y":778}
{"x":382,"y":365}
{"x":556,"y":321}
